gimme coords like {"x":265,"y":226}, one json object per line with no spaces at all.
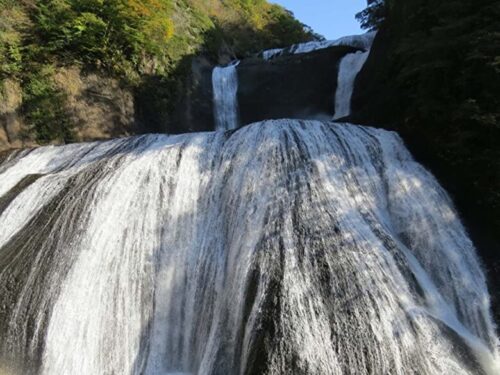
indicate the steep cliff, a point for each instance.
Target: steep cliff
{"x":434,"y":76}
{"x":75,"y":70}
{"x":290,"y":86}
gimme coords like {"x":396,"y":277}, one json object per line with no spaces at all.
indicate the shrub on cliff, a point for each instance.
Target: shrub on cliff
{"x":111,"y":34}
{"x":45,"y":110}
{"x":123,"y":36}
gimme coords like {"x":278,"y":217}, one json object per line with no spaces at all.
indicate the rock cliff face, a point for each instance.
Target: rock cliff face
{"x":11,"y":124}
{"x":291,"y":86}
{"x":98,"y":106}
{"x":288,"y":86}
{"x":133,"y":76}
{"x":466,"y":167}
{"x":194,"y":111}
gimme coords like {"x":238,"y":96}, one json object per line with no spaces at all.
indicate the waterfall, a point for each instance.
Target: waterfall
{"x":363,"y":41}
{"x":349,"y":68}
{"x":285,"y":247}
{"x":225,"y":89}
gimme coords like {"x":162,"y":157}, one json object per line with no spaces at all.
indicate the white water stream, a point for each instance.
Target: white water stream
{"x":225,"y":89}
{"x":286,"y":247}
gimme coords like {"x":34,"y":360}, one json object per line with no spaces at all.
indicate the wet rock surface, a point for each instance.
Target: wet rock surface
{"x":291,"y":86}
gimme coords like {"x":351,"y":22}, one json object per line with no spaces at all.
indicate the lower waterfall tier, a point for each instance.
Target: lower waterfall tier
{"x":285,"y":247}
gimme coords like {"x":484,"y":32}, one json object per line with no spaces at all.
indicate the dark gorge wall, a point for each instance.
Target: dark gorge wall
{"x":288,"y":86}
{"x":190,"y":111}
{"x":432,"y":77}
{"x":291,"y":86}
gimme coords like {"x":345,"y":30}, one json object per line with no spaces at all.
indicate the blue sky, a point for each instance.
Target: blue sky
{"x":330,"y":18}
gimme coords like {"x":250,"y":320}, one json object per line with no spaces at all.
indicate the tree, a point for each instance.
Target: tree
{"x":372,"y":17}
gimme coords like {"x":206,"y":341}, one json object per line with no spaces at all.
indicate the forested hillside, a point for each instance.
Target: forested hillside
{"x":54,"y":52}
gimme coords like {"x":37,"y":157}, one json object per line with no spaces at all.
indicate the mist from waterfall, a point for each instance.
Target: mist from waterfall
{"x":225,"y":101}
{"x":284,"y":247}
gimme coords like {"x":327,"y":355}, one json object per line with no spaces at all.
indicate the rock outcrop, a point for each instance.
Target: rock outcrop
{"x":290,"y":86}
{"x":12,"y":127}
{"x":379,"y":101}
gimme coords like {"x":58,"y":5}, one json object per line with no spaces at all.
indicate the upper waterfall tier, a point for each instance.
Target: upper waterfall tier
{"x":363,"y":42}
{"x":314,"y":80}
{"x":225,"y":88}
{"x":285,"y":247}
{"x":299,"y":86}
{"x":349,"y":68}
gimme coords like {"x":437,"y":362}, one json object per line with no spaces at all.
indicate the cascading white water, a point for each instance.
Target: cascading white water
{"x":349,"y":68}
{"x":225,"y":89}
{"x":285,"y":247}
{"x":363,"y":41}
